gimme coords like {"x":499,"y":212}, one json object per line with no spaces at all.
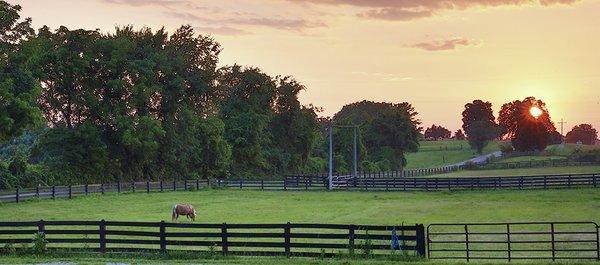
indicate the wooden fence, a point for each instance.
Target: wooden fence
{"x":306,"y":183}
{"x":514,"y":241}
{"x":236,"y":239}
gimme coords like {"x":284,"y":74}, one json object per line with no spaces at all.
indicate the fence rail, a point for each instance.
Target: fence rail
{"x":248,"y":239}
{"x":514,"y":241}
{"x":300,"y":183}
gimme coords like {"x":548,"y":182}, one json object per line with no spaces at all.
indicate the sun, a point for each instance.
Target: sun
{"x":535,"y":111}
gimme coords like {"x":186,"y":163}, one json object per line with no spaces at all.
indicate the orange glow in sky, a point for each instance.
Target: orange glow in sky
{"x":437,"y":55}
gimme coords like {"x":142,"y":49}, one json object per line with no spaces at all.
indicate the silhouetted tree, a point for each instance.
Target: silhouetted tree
{"x":528,"y":133}
{"x":554,"y":138}
{"x":459,"y":135}
{"x":479,"y":124}
{"x":437,"y":132}
{"x":583,"y":133}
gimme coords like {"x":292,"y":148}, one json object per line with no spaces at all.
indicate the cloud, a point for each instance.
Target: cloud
{"x":164,"y":3}
{"x":278,"y":23}
{"x":404,"y":10}
{"x":444,"y":45}
{"x":222,"y":30}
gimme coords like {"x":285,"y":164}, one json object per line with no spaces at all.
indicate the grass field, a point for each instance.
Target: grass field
{"x":521,"y":171}
{"x":235,"y":206}
{"x":444,"y":152}
{"x":529,"y":158}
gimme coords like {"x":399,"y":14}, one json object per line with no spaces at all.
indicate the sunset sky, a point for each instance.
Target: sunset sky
{"x":435,"y":54}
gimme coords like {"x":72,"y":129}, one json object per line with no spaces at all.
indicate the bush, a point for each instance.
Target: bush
{"x":506,"y":147}
{"x":39,"y":243}
{"x":586,"y":156}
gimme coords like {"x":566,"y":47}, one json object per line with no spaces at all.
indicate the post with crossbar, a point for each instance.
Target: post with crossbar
{"x":330,"y":173}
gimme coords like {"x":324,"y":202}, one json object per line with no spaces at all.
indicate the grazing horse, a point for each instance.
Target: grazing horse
{"x":183,"y":209}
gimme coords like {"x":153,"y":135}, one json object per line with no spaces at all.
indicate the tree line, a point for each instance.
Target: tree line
{"x":140,"y":104}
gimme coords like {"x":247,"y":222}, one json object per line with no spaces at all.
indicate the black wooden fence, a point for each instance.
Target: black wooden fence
{"x":305,"y":183}
{"x":237,"y":239}
{"x":514,"y":241}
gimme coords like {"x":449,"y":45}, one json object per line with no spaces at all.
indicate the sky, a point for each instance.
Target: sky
{"x":436,"y":54}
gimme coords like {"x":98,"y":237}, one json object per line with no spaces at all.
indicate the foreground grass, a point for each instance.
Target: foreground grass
{"x":160,"y":259}
{"x":522,"y":171}
{"x":235,"y":206}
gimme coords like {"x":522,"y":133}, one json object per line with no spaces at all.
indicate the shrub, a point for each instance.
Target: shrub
{"x":39,"y":243}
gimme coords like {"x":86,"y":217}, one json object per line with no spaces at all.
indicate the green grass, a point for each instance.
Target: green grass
{"x":235,"y":206}
{"x":568,"y":149}
{"x":430,"y":155}
{"x":522,"y":171}
{"x":528,"y":158}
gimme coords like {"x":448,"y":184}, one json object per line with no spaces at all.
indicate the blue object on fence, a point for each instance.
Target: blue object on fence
{"x":395,"y":243}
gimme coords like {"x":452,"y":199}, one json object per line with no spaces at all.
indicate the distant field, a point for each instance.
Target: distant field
{"x":444,"y":152}
{"x":385,"y":208}
{"x":568,"y":149}
{"x":522,"y":171}
{"x":528,"y":158}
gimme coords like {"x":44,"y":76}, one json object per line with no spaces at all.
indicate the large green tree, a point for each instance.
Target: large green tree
{"x":18,"y":88}
{"x":527,"y":132}
{"x":479,"y":124}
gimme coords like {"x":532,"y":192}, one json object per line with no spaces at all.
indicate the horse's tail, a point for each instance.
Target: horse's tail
{"x":174,"y":212}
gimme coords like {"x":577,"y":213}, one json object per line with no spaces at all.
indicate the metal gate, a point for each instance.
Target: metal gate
{"x":514,"y":241}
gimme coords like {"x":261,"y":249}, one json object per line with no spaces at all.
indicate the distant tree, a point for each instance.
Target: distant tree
{"x":528,"y":133}
{"x":479,"y":124}
{"x":387,"y":132}
{"x":437,"y":132}
{"x":459,"y":135}
{"x":554,"y":138}
{"x":583,"y":133}
{"x":18,"y":88}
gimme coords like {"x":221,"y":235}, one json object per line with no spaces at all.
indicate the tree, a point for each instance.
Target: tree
{"x":554,"y":138}
{"x":18,"y":88}
{"x":387,"y":131}
{"x":479,"y":124}
{"x":528,"y":133}
{"x":459,"y":135}
{"x":583,"y":133}
{"x":437,"y":132}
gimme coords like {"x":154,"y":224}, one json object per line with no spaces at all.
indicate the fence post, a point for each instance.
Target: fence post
{"x":118,"y":186}
{"x":102,"y":188}
{"x":241,"y":184}
{"x":553,"y":244}
{"x":420,"y":246}
{"x":102,"y":236}
{"x":284,"y":184}
{"x":70,"y":192}
{"x":163,"y":240}
{"x":17,"y":195}
{"x":262,"y":184}
{"x":147,"y":186}
{"x":161,"y":185}
{"x":53,"y":192}
{"x":197,"y":184}
{"x":37,"y":190}
{"x":133,"y":186}
{"x":467,"y":242}
{"x":597,"y":243}
{"x":351,"y":231}
{"x":174,"y":185}
{"x":41,"y":226}
{"x":286,"y":233}
{"x":86,"y":188}
{"x":185,"y":184}
{"x":224,"y":247}
{"x":508,"y":241}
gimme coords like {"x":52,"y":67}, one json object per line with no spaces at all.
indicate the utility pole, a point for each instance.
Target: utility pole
{"x":562,"y":123}
{"x":330,"y":176}
{"x":355,"y":154}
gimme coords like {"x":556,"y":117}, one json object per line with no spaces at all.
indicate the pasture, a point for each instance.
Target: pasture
{"x":444,"y":152}
{"x":384,"y":208}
